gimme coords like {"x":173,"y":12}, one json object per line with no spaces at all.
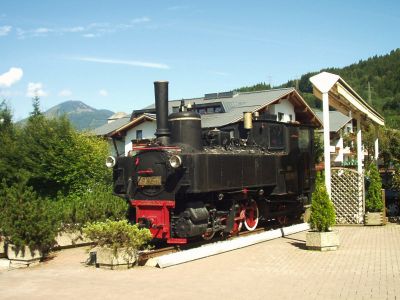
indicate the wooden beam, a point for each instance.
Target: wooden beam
{"x":300,"y":110}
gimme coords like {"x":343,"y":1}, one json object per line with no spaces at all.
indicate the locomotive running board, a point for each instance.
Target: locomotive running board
{"x":225,"y":246}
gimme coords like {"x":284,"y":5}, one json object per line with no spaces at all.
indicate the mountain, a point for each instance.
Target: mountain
{"x":376,"y":78}
{"x":81,"y":115}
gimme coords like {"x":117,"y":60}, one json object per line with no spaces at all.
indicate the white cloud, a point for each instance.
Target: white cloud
{"x":103,"y":93}
{"x":74,"y":29}
{"x":42,"y":30}
{"x":89,"y":35}
{"x":133,"y":63}
{"x":35,"y":89}
{"x":90,"y":30}
{"x":221,"y":73}
{"x":12,"y":76}
{"x":140,"y":20}
{"x":5,"y":30}
{"x":65,"y":93}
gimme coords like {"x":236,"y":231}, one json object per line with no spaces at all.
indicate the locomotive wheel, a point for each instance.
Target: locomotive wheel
{"x":282,"y":220}
{"x":251,"y":215}
{"x":208,"y":235}
{"x":238,"y":224}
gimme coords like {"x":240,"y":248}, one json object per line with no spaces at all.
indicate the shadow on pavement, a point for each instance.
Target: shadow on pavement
{"x":301,"y":244}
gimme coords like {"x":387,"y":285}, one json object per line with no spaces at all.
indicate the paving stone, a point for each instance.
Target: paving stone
{"x":366,"y":266}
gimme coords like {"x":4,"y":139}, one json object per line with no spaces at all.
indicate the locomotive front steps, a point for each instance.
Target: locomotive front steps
{"x":223,"y":246}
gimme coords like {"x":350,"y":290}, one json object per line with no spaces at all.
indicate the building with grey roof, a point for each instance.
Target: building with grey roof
{"x":339,"y":126}
{"x":110,"y":127}
{"x":217,"y":110}
{"x":337,"y":121}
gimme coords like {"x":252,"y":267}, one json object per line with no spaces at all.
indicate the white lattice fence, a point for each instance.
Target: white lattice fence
{"x":347,"y":188}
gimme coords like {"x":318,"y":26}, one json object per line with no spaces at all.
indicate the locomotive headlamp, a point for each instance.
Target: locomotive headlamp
{"x":175,"y":161}
{"x":110,"y":161}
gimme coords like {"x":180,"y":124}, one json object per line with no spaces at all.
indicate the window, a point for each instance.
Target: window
{"x":280,"y":116}
{"x":175,"y":109}
{"x":304,"y":139}
{"x":139,"y":134}
{"x":276,"y":137}
{"x":290,"y":118}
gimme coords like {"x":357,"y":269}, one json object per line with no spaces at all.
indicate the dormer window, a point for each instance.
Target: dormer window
{"x":209,"y":108}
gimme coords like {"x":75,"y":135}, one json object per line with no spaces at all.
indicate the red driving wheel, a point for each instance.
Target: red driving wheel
{"x":251,"y":215}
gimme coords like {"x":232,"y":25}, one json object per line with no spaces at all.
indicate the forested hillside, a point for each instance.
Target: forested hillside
{"x":82,"y":116}
{"x":380,"y":73}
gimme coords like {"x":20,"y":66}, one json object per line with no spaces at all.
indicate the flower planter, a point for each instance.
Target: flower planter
{"x":2,"y":247}
{"x":23,"y":256}
{"x":105,"y":258}
{"x":69,"y":239}
{"x":374,"y":219}
{"x":322,"y":241}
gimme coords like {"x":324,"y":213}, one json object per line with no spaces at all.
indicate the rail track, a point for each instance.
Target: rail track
{"x":144,"y":256}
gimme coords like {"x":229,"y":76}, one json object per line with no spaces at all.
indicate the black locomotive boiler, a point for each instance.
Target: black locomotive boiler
{"x":194,"y":182}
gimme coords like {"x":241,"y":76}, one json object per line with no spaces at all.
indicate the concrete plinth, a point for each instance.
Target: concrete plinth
{"x":23,"y":256}
{"x":2,"y":247}
{"x":106,"y":258}
{"x":374,"y":219}
{"x":68,"y":239}
{"x":322,"y":241}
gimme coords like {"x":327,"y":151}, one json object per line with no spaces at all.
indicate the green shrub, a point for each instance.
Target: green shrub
{"x":373,"y":199}
{"x":117,"y":235}
{"x":94,"y":205}
{"x":322,"y":210}
{"x":26,"y":219}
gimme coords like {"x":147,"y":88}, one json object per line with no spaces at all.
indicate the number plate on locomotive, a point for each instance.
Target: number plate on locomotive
{"x":151,"y":180}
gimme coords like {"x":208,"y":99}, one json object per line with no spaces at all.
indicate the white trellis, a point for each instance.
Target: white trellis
{"x":336,"y":93}
{"x":348,"y":195}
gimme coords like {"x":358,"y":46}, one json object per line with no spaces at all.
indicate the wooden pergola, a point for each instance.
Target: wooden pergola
{"x":335,"y":92}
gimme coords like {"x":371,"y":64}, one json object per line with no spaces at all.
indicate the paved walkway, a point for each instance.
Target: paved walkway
{"x":367,"y":266}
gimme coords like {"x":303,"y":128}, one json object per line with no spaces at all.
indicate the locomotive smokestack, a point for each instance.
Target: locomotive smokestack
{"x":161,"y":96}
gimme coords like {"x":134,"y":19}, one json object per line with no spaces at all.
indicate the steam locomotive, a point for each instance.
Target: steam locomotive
{"x":193,"y":182}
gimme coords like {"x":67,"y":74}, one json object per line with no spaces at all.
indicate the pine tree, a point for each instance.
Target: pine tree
{"x":373,"y":201}
{"x":36,"y":107}
{"x":322,"y":210}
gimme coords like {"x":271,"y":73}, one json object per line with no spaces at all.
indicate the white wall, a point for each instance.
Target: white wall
{"x":339,"y":156}
{"x":284,"y":107}
{"x":148,"y":129}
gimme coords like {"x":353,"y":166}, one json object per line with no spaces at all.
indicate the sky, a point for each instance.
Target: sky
{"x":108,"y":53}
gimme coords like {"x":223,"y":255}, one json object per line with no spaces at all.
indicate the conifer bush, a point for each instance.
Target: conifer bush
{"x":322,"y":210}
{"x":96,"y":204}
{"x":373,"y":199}
{"x":26,"y":219}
